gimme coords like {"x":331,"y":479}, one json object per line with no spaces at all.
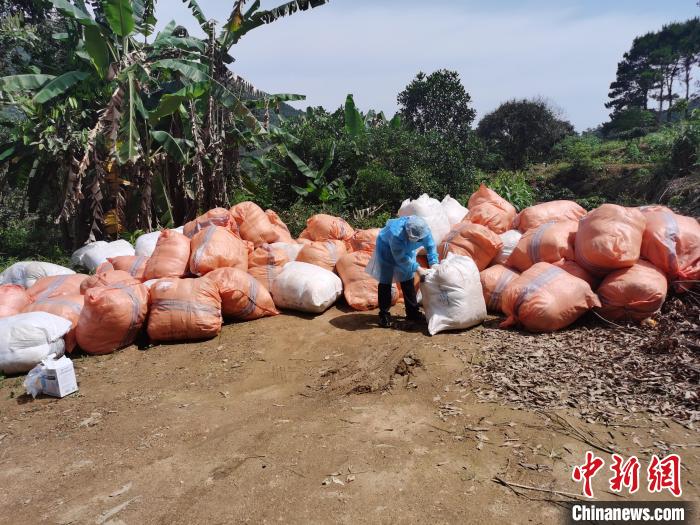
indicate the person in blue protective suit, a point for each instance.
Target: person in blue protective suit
{"x":394,"y":259}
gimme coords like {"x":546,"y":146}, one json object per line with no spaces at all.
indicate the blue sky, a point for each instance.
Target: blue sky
{"x":565,"y":51}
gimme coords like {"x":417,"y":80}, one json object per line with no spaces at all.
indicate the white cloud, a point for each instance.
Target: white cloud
{"x":374,"y":50}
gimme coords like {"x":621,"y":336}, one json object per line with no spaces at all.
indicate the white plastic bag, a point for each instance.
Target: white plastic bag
{"x":452,"y":295}
{"x":306,"y":287}
{"x":454,"y":210}
{"x":146,"y":243}
{"x":26,"y":273}
{"x":291,"y":249}
{"x":26,"y":339}
{"x":77,"y":258}
{"x":432,"y":211}
{"x":54,"y":376}
{"x":99,"y":254}
{"x":510,"y":241}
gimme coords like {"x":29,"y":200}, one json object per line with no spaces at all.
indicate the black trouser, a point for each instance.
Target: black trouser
{"x":409,"y":298}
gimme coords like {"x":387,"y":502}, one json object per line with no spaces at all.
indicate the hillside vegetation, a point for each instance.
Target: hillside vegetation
{"x":108,"y":130}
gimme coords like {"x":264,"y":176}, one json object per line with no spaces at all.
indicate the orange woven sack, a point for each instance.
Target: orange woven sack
{"x":265,"y":264}
{"x":488,"y":208}
{"x":215,"y":217}
{"x":13,"y":299}
{"x":325,"y":254}
{"x":109,"y":278}
{"x":609,"y":238}
{"x":551,"y":242}
{"x":66,"y":306}
{"x":184,"y":310}
{"x":279,"y":226}
{"x":170,"y":258}
{"x":57,"y":285}
{"x":632,"y":294}
{"x":111,"y":317}
{"x":577,"y":271}
{"x":256,"y":226}
{"x":360,"y":288}
{"x":546,"y":298}
{"x":242,"y":296}
{"x":672,"y":243}
{"x":473,"y":240}
{"x":493,"y":282}
{"x":216,"y":247}
{"x":553,"y":211}
{"x":322,"y":227}
{"x":365,"y":240}
{"x":135,"y":265}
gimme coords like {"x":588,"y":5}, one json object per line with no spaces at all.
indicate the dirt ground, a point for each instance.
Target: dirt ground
{"x":302,"y":420}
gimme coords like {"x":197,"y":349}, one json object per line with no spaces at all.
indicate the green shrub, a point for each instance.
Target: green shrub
{"x":511,"y":185}
{"x":376,"y":186}
{"x":684,"y":149}
{"x":580,"y":153}
{"x":591,"y":202}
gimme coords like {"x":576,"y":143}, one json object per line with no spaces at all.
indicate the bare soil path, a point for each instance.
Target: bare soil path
{"x":300,"y":420}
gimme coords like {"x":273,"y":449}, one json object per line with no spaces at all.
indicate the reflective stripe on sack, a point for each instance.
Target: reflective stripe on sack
{"x":671,"y":241}
{"x":198,"y":254}
{"x":60,"y":302}
{"x":503,"y":280}
{"x":185,"y":306}
{"x":544,"y":278}
{"x":52,"y":287}
{"x":135,"y":310}
{"x":134,"y":267}
{"x":332,"y":251}
{"x":252,"y":296}
{"x":533,"y":249}
{"x":270,"y":267}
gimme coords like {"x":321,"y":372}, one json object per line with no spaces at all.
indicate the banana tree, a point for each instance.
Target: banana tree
{"x":157,"y":120}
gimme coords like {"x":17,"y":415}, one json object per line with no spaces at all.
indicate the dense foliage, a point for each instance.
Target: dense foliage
{"x":107,"y":130}
{"x":649,"y":71}
{"x":522,"y":132}
{"x":125,"y":129}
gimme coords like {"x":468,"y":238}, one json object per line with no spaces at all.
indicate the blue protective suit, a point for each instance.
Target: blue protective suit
{"x":394,"y":257}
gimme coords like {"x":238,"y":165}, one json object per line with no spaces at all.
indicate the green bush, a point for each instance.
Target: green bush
{"x":511,"y":185}
{"x":376,"y":186}
{"x":684,"y":149}
{"x":580,"y":152}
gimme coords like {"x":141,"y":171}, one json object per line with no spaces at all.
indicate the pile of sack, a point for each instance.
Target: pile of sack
{"x":543,"y":268}
{"x":559,"y":261}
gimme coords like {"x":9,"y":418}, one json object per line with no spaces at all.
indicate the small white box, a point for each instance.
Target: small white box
{"x":58,"y":377}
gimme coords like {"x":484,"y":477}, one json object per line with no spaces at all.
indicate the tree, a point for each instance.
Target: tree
{"x":523,"y":131}
{"x":650,"y":68}
{"x":154,"y":129}
{"x":437,"y":102}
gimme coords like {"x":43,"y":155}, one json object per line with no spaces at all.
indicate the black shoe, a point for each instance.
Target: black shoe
{"x":385,"y":320}
{"x":417,"y":317}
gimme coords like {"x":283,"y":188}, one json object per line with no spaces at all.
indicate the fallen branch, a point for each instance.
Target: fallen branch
{"x":511,"y":486}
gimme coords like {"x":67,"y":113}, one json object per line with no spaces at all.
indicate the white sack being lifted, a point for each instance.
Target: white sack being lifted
{"x":26,"y":273}
{"x":431,"y":210}
{"x":452,"y":295}
{"x":454,"y":210}
{"x":99,"y":254}
{"x":306,"y":287}
{"x":510,"y":241}
{"x":26,"y":339}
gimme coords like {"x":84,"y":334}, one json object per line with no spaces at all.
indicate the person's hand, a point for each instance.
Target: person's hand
{"x":422,"y":272}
